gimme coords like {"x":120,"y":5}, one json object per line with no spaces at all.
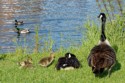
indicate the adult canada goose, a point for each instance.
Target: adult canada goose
{"x":46,"y":61}
{"x":72,"y":60}
{"x":68,"y":62}
{"x":26,"y":63}
{"x":102,"y":55}
{"x":21,"y":31}
{"x":61,"y":64}
{"x":18,"y":22}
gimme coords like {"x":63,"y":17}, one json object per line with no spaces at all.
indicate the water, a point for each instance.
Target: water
{"x":58,"y":20}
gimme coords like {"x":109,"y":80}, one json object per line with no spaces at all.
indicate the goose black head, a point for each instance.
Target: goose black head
{"x":69,"y":55}
{"x":102,"y":16}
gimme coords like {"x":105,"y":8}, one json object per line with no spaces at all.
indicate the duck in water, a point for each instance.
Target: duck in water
{"x":21,"y":30}
{"x":18,"y":22}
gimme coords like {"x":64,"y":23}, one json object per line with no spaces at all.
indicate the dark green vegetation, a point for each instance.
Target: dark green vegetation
{"x":11,"y":73}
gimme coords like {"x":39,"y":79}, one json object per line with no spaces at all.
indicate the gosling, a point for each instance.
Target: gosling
{"x":26,"y":63}
{"x":47,"y":61}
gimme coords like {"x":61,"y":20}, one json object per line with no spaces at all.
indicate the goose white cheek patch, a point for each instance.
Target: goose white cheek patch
{"x":69,"y":56}
{"x":100,"y":17}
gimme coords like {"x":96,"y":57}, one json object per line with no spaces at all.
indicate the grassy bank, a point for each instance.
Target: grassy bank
{"x":10,"y":72}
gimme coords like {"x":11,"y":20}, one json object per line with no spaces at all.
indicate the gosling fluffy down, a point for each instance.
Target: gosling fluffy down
{"x":47,"y":61}
{"x":26,"y":63}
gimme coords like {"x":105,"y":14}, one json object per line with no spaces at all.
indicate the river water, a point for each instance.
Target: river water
{"x":60,"y":21}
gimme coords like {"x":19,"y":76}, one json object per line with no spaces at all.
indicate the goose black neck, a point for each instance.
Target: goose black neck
{"x":103,"y":37}
{"x":17,"y":28}
{"x":15,"y":20}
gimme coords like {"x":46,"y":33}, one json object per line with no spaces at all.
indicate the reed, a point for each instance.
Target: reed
{"x":36,"y":37}
{"x":97,"y":1}
{"x":110,"y":7}
{"x":105,"y":6}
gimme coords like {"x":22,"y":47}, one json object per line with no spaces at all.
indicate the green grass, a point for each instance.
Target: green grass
{"x":10,"y":72}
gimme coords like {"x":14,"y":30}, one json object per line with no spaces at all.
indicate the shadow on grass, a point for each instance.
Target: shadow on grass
{"x":2,"y":56}
{"x":114,"y":69}
{"x":115,"y":47}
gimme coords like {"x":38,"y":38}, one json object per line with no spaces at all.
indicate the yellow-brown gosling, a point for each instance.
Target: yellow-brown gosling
{"x":47,"y":61}
{"x":26,"y":63}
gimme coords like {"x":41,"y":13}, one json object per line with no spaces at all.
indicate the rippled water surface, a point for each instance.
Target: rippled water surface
{"x":58,"y":20}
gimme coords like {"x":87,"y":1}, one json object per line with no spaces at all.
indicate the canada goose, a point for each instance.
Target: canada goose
{"x":26,"y":63}
{"x":21,"y":31}
{"x":61,"y":63}
{"x":68,"y":62}
{"x":72,"y":60}
{"x":46,"y":61}
{"x":18,"y":22}
{"x":102,"y":55}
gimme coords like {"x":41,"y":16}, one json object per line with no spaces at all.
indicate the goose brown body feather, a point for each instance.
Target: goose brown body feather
{"x":101,"y":56}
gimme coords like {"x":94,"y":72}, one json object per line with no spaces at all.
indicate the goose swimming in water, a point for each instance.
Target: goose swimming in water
{"x":18,"y":22}
{"x":21,"y":31}
{"x":102,"y":56}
